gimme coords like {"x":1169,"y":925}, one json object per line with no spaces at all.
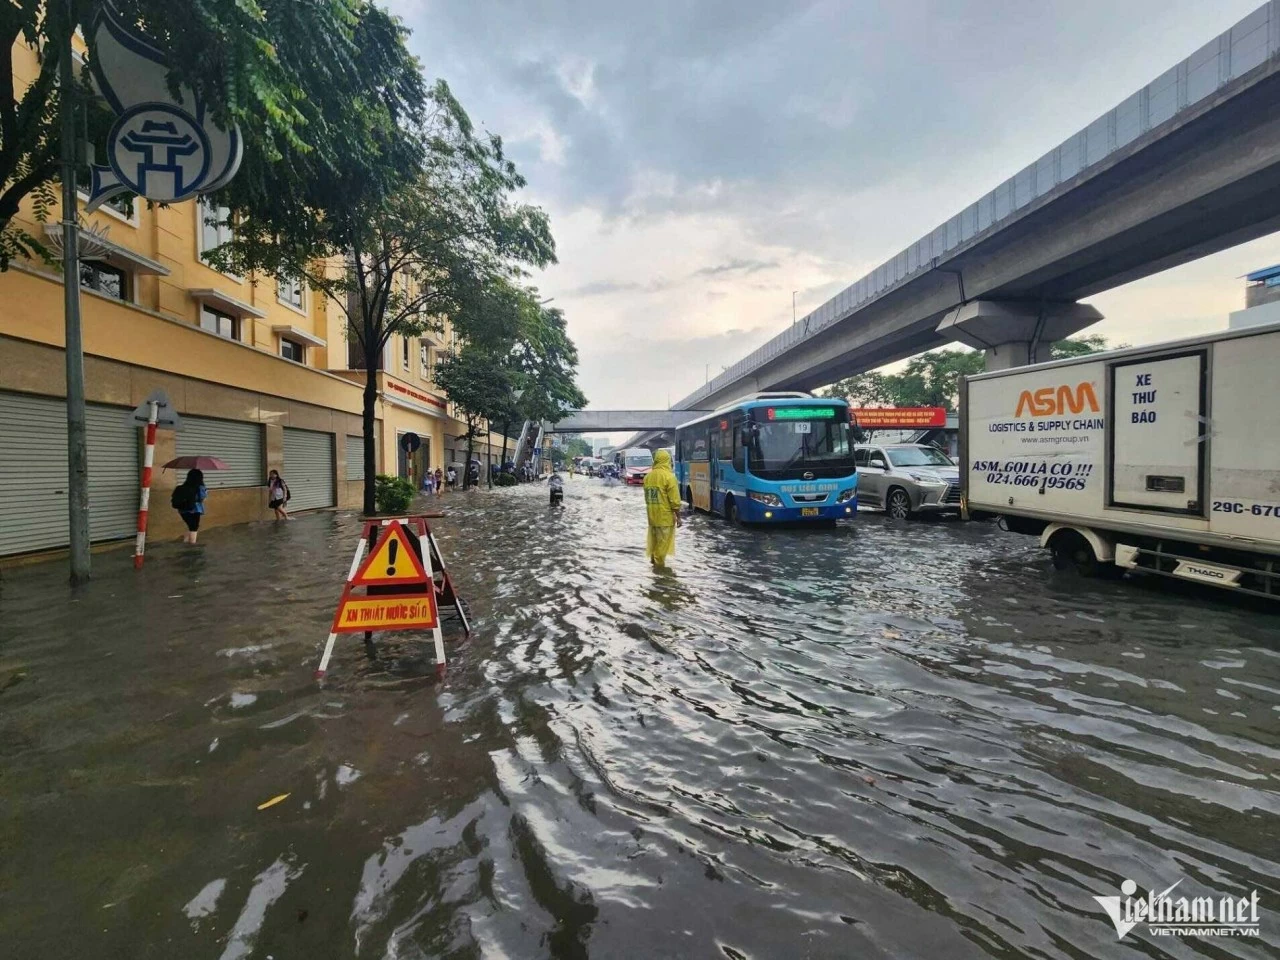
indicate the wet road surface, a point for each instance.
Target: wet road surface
{"x":883,"y":740}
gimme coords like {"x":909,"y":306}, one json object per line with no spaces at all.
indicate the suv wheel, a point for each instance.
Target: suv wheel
{"x":897,"y":504}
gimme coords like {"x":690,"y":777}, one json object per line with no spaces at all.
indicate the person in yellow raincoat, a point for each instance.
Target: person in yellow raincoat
{"x":662,"y":500}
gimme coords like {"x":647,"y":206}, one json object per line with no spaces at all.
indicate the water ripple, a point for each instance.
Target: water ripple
{"x":883,"y":740}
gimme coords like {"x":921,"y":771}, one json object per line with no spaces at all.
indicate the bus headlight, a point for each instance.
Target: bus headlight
{"x":768,"y":499}
{"x":847,"y":495}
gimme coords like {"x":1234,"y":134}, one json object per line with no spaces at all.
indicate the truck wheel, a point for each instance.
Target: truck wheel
{"x":898,"y":504}
{"x":1071,"y":551}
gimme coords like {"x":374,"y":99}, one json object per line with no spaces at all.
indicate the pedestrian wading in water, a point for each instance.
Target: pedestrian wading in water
{"x":662,"y":501}
{"x":278,"y":495}
{"x":188,"y":499}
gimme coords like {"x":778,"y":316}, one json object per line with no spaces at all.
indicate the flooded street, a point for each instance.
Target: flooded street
{"x":884,"y":740}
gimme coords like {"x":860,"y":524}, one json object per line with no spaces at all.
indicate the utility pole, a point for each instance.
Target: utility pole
{"x":77,"y":453}
{"x":793,"y":307}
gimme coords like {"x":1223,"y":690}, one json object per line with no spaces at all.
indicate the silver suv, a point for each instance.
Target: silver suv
{"x":906,"y":478}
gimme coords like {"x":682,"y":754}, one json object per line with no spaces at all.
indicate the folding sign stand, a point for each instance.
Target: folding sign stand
{"x":401,"y":590}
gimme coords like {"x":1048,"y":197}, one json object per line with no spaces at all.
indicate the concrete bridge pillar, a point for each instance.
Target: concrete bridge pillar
{"x":1015,"y":333}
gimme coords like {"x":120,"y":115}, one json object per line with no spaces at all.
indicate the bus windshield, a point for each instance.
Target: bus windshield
{"x":639,"y":460}
{"x":789,"y":449}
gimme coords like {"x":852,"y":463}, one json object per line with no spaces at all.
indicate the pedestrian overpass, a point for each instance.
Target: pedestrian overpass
{"x":653,"y":424}
{"x":616,"y":421}
{"x":1187,"y":166}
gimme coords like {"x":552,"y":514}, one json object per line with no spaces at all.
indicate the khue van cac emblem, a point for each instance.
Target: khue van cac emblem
{"x":159,"y":148}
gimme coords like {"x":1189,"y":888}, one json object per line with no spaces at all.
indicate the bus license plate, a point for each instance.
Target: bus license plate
{"x":809,"y":511}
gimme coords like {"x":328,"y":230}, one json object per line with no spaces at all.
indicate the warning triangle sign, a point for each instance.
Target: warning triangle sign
{"x":392,"y":562}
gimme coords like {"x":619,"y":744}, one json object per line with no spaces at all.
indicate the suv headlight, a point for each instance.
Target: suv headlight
{"x":924,"y":478}
{"x":768,"y":499}
{"x":847,"y":495}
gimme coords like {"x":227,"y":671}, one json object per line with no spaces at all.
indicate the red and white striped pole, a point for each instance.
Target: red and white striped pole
{"x":148,"y":458}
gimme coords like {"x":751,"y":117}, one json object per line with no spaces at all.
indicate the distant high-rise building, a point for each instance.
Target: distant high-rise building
{"x":1261,"y":299}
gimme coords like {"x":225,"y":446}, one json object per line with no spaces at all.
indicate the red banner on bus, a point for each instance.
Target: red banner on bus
{"x":900,"y":418}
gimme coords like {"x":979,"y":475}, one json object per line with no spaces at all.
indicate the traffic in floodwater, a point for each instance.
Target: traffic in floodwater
{"x":882,"y":739}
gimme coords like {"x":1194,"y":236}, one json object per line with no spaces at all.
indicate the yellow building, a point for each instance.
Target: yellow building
{"x":259,"y":368}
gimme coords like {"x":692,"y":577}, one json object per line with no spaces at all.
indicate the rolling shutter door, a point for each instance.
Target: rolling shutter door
{"x":308,"y":468}
{"x":238,"y":444}
{"x":355,"y":458}
{"x":33,"y":473}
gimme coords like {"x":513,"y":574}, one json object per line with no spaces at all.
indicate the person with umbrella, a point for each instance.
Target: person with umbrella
{"x":189,"y":496}
{"x":188,"y":499}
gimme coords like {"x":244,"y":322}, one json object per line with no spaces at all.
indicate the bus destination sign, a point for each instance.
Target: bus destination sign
{"x":801,"y":413}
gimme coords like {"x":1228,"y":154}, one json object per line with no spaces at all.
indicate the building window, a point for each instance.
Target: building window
{"x":292,"y":351}
{"x":108,"y":281}
{"x":223,"y":324}
{"x":424,"y":356}
{"x":289,"y":290}
{"x":215,"y":226}
{"x":404,"y":352}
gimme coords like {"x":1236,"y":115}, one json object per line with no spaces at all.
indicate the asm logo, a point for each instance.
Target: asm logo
{"x":1055,"y":400}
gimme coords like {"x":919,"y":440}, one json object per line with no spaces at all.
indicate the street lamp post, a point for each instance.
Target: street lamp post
{"x":77,"y":453}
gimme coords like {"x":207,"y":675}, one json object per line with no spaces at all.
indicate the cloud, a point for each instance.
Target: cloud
{"x":702,"y":159}
{"x":602,"y":288}
{"x":736,"y":266}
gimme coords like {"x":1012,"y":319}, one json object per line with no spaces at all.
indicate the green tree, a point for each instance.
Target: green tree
{"x":545,"y":361}
{"x":441,"y":245}
{"x":515,"y":360}
{"x":276,"y":67}
{"x":478,"y":383}
{"x":933,"y":379}
{"x":576,"y":446}
{"x":1082,"y":346}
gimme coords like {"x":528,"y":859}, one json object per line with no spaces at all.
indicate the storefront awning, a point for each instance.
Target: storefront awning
{"x":293,"y":333}
{"x":226,"y":303}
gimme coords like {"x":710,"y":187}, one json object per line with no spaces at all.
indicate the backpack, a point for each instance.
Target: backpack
{"x":184,"y":498}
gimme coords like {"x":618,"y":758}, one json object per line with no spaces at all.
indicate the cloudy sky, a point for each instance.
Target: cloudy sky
{"x":702,"y":159}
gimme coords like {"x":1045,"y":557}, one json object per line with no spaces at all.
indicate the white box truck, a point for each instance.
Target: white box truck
{"x":1161,"y":459}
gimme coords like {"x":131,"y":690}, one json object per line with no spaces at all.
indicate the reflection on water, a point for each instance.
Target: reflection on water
{"x":882,"y":740}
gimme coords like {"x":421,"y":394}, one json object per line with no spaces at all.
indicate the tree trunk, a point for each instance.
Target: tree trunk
{"x":370,"y":407}
{"x":466,"y":469}
{"x":488,"y":452}
{"x":506,"y":429}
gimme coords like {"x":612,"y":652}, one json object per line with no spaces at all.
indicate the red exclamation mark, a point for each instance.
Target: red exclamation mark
{"x":391,"y":558}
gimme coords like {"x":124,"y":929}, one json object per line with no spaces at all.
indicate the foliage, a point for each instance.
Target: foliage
{"x":545,"y":362}
{"x":394,"y":494}
{"x":504,"y":480}
{"x":285,"y":71}
{"x":1081,"y":346}
{"x":933,"y":379}
{"x":515,"y":360}
{"x":435,"y":235}
{"x":575,"y":446}
{"x":29,"y":118}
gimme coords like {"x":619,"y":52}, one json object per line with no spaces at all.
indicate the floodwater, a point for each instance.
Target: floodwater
{"x":882,"y":740}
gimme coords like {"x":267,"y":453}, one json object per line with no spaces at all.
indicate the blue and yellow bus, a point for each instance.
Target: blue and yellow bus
{"x":771,"y":458}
